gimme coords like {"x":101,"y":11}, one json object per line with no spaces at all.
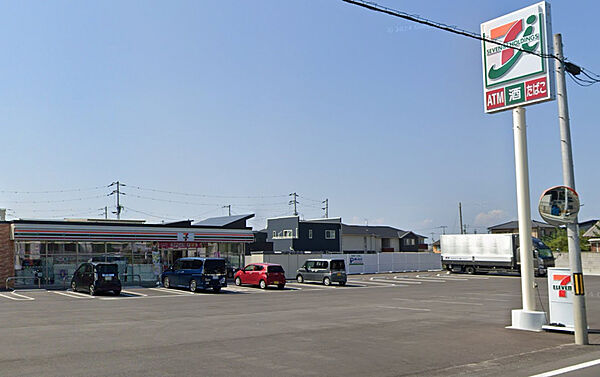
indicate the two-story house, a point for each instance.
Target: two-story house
{"x":290,"y":234}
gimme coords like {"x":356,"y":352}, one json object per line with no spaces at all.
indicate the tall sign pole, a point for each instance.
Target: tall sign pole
{"x":523,"y":210}
{"x":579,"y":312}
{"x":516,"y":73}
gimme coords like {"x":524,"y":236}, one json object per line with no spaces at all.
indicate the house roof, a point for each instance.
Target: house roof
{"x":586,"y":225}
{"x":223,"y":220}
{"x":515,"y":224}
{"x":375,"y":230}
{"x":593,"y":231}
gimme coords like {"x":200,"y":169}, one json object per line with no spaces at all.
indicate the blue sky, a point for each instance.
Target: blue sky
{"x":245,"y":102}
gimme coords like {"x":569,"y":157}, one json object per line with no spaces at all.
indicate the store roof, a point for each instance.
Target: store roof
{"x":376,"y":230}
{"x":225,"y":221}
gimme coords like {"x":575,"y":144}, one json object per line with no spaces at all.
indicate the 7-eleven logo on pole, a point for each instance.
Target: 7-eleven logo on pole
{"x":563,"y":286}
{"x":515,"y":69}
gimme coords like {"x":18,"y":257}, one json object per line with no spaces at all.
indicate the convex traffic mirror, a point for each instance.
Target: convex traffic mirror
{"x":559,"y":205}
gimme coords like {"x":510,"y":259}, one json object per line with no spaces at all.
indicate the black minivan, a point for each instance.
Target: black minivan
{"x":94,"y":277}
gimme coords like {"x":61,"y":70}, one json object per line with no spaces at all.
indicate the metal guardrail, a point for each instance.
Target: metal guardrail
{"x":64,"y":279}
{"x":137,"y":275}
{"x":34,"y":278}
{"x":131,"y":275}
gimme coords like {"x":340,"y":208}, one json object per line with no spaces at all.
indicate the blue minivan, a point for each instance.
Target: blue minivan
{"x":196,"y":273}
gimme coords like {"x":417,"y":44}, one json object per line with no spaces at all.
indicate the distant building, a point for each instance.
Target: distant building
{"x":372,"y":239}
{"x":260,"y":242}
{"x":584,"y":226}
{"x":594,"y":237}
{"x":291,"y":234}
{"x":538,"y":229}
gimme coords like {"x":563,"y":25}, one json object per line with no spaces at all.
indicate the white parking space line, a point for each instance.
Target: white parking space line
{"x":408,"y":280}
{"x":139,"y":298}
{"x":235,"y":288}
{"x":430,"y":279}
{"x":470,"y":277}
{"x":569,"y":369}
{"x":443,"y":278}
{"x":134,"y":293}
{"x":357,"y":284}
{"x":307,"y":287}
{"x":73,"y":294}
{"x":172,"y":291}
{"x":23,"y":296}
{"x":16,"y":297}
{"x":439,"y":301}
{"x":403,"y":308}
{"x":381,"y":282}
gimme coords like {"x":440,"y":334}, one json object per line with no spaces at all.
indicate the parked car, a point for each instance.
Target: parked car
{"x":196,"y":273}
{"x":231,"y":270}
{"x":323,"y":271}
{"x":95,"y":277}
{"x":261,"y":274}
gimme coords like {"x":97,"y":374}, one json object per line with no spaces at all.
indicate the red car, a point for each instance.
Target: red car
{"x":261,"y":274}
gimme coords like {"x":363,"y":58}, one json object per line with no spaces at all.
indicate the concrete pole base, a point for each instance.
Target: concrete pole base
{"x":527,"y":320}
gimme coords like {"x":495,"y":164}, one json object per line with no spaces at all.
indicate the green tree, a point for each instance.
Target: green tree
{"x":559,"y":241}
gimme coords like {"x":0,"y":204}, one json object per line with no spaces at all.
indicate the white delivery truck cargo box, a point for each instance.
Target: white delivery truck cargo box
{"x":477,"y":247}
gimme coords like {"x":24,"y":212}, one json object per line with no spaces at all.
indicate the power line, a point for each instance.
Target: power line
{"x":51,"y":191}
{"x":453,"y":29}
{"x":158,"y":216}
{"x":55,"y":201}
{"x":207,"y":195}
{"x":438,"y":25}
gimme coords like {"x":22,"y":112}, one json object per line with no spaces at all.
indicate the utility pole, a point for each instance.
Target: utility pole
{"x":119,"y":193}
{"x":432,"y":233}
{"x":104,"y":212}
{"x":579,"y":311}
{"x":294,"y":202}
{"x":229,"y":208}
{"x":326,"y":208}
{"x":460,"y":216}
{"x":443,"y":228}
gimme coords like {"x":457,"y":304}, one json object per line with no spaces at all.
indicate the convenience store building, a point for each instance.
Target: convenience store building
{"x":47,"y":252}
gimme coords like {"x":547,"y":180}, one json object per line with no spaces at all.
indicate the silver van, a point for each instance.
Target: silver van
{"x":324,"y":271}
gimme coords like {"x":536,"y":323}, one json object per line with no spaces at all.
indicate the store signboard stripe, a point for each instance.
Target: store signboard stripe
{"x":99,"y":233}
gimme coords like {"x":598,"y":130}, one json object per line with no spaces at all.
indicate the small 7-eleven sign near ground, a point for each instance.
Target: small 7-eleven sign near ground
{"x":562,"y":284}
{"x":512,"y":76}
{"x":560,"y":295}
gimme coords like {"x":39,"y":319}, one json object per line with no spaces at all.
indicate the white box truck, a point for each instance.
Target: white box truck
{"x":473,"y":253}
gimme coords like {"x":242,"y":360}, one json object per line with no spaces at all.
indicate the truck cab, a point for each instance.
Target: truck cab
{"x":543,"y":255}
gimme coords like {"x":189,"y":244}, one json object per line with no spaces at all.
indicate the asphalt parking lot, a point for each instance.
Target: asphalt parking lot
{"x":378,"y":325}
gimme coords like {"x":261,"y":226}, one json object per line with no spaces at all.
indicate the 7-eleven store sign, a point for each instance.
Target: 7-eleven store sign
{"x":560,"y":295}
{"x":511,"y":76}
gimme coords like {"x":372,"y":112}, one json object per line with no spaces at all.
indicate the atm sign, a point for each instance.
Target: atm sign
{"x":515,"y":94}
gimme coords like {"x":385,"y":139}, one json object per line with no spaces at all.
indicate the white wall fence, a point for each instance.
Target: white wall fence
{"x":589,"y":261}
{"x":356,"y":263}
